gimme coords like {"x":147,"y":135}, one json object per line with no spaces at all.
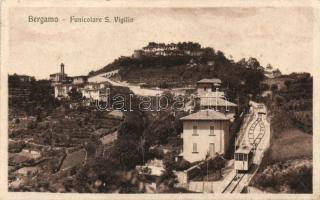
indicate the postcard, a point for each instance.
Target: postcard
{"x":159,"y":100}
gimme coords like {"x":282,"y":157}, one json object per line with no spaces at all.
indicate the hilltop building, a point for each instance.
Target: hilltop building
{"x":162,"y":49}
{"x":63,"y":84}
{"x":79,"y":80}
{"x":90,"y":91}
{"x":62,"y":90}
{"x":137,"y":54}
{"x":60,"y":76}
{"x":95,"y":91}
{"x":205,"y":133}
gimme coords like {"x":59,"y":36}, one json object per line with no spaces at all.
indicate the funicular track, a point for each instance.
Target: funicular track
{"x":254,"y":141}
{"x":231,"y":187}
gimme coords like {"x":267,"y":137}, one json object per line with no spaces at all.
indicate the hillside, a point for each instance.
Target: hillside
{"x":184,"y":69}
{"x":287,"y":165}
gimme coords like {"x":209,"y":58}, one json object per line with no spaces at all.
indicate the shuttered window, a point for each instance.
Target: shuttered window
{"x":194,"y":148}
{"x":211,"y":130}
{"x":195,"y":130}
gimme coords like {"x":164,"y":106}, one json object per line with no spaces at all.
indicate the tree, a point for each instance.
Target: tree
{"x":91,"y":73}
{"x":126,"y":150}
{"x":288,"y":84}
{"x":274,"y":87}
{"x":214,"y":164}
{"x":253,"y":63}
{"x":264,"y":87}
{"x":74,"y":94}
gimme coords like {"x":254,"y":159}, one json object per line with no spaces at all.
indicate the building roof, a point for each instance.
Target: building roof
{"x":210,"y":80}
{"x":214,"y":101}
{"x":80,"y":76}
{"x":206,"y":115}
{"x":55,"y":74}
{"x":245,"y":150}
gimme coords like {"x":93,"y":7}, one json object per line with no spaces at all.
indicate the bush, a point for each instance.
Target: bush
{"x":286,"y":177}
{"x":16,"y":147}
{"x":32,"y":125}
{"x":182,"y":165}
{"x":155,"y":153}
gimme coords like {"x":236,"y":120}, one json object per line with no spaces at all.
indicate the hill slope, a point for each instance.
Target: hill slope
{"x":287,"y":165}
{"x":238,"y":78}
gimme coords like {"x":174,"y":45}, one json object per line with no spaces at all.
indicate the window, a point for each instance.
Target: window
{"x":194,"y":148}
{"x":195,"y":130}
{"x":211,"y":149}
{"x":240,"y":156}
{"x":245,"y":157}
{"x":211,"y":130}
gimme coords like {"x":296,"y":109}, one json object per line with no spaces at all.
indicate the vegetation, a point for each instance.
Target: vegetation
{"x":53,"y":124}
{"x":287,"y":165}
{"x":32,"y":98}
{"x":210,"y":169}
{"x":238,"y":78}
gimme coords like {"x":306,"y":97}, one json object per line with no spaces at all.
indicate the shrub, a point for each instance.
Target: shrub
{"x":155,"y":153}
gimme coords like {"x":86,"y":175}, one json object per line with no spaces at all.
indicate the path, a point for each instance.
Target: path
{"x":136,"y":89}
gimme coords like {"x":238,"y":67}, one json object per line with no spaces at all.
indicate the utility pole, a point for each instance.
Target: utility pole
{"x":235,"y":141}
{"x":142,"y":141}
{"x":51,"y":135}
{"x":203,"y":180}
{"x":207,"y":171}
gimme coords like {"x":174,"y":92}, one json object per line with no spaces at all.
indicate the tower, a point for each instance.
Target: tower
{"x":62,"y":69}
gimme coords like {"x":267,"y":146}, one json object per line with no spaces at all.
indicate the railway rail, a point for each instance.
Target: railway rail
{"x":254,"y":140}
{"x":231,"y":187}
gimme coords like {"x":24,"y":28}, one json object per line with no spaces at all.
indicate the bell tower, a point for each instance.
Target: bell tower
{"x":62,"y":71}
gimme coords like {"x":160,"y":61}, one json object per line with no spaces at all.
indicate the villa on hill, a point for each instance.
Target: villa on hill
{"x":161,"y":49}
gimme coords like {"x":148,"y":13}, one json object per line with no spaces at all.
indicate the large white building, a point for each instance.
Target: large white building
{"x":95,"y":91}
{"x":90,"y":91}
{"x":62,"y":90}
{"x":205,"y":133}
{"x":79,"y":80}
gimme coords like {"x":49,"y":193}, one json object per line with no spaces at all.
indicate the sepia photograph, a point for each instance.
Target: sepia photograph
{"x":158,"y":100}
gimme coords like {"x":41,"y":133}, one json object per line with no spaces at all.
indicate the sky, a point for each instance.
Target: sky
{"x":282,"y":37}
